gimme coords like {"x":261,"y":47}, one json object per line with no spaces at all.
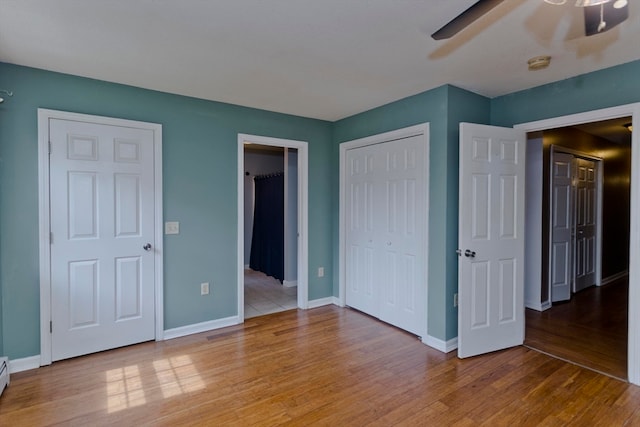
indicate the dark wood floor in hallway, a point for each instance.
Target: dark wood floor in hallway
{"x":590,"y":330}
{"x":326,"y":366}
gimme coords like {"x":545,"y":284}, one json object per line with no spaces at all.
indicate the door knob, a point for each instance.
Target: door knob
{"x":469,"y":253}
{"x":147,"y":246}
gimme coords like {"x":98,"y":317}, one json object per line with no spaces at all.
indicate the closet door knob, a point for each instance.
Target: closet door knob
{"x":147,"y":246}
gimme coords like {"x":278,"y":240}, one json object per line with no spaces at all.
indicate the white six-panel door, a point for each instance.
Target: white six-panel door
{"x":491,"y":239}
{"x":102,"y":237}
{"x":385,"y":231}
{"x":402,"y":211}
{"x":362,"y":239}
{"x":562,"y":212}
{"x":574,"y":216}
{"x":585,"y":228}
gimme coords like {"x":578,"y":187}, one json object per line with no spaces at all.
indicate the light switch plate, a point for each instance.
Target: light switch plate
{"x":204,"y":288}
{"x":172,"y":227}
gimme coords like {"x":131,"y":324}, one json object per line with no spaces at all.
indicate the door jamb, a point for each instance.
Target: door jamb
{"x":303,"y":197}
{"x":632,"y":110}
{"x":44,"y":116}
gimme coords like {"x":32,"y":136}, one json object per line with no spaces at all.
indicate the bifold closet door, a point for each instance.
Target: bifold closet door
{"x":362,"y":242}
{"x":561,"y":226}
{"x":385,"y":232}
{"x":586,"y":223}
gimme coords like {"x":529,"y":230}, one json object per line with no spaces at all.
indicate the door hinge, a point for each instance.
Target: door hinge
{"x":49,"y":147}
{"x":50,"y":326}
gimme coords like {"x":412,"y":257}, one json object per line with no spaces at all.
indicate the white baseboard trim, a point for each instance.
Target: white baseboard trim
{"x":33,"y":362}
{"x":538,"y":306}
{"x":289,"y":283}
{"x":201,"y":327}
{"x":614,"y":277}
{"x":322,"y":301}
{"x":24,"y":364}
{"x":438,"y":344}
{"x":533,"y":305}
{"x":246,"y":266}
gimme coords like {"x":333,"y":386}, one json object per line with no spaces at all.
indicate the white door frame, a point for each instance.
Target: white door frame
{"x":44,"y":115}
{"x":420,"y":129}
{"x":303,"y":197}
{"x":633,"y":110}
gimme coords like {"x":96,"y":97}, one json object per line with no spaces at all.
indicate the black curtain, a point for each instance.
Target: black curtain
{"x":267,"y":244}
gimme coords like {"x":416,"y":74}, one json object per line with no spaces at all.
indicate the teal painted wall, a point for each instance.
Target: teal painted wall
{"x":443,"y":108}
{"x":464,"y":106}
{"x":601,"y":89}
{"x":199,"y":161}
{"x":200,"y":186}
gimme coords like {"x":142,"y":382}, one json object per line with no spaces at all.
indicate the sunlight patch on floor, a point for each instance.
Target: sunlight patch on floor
{"x":177,"y":375}
{"x":124,"y":388}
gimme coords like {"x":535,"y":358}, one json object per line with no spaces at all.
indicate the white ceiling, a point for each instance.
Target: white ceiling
{"x":325,"y":59}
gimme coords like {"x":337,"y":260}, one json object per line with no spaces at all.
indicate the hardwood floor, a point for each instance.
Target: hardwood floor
{"x":325,"y":366}
{"x":590,"y":330}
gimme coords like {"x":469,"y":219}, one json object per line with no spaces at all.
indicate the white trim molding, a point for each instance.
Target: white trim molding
{"x":44,"y":116}
{"x":303,"y":209}
{"x":440,"y":345}
{"x":538,"y":306}
{"x":614,"y":277}
{"x":320,"y":302}
{"x":197,"y":328}
{"x":632,"y":110}
{"x":289,"y":283}
{"x":24,"y":364}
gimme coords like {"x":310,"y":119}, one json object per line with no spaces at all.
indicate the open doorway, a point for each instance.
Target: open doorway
{"x":583,"y":322}
{"x":270,"y":229}
{"x":287,"y":161}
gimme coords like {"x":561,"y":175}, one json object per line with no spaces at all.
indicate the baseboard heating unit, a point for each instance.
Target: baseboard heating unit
{"x":4,"y":373}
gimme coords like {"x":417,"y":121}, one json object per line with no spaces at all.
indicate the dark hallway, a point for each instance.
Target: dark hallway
{"x":590,"y":330}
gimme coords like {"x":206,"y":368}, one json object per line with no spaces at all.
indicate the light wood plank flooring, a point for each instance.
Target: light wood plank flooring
{"x":326,"y":366}
{"x":590,"y":330}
